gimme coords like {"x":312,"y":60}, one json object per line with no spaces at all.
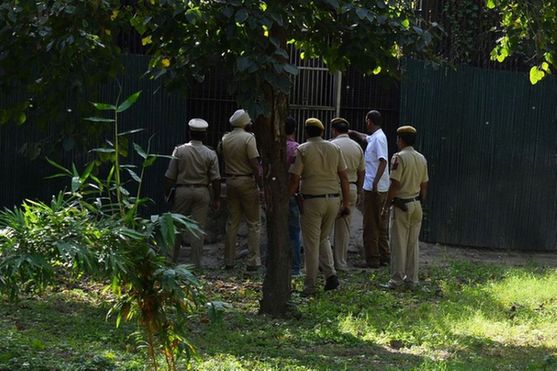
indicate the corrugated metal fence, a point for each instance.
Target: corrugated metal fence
{"x":491,"y":141}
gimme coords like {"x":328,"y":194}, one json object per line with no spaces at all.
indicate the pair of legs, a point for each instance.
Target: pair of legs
{"x":192,"y":202}
{"x":317,"y":222}
{"x":405,"y":231}
{"x":376,"y":230}
{"x":342,"y":233}
{"x":294,"y":234}
{"x":243,"y":200}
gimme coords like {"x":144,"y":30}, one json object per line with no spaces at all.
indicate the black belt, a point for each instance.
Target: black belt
{"x":407,"y":200}
{"x":237,"y":175}
{"x":192,"y":185}
{"x":328,"y":195}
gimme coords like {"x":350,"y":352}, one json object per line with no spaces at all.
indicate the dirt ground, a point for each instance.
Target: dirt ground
{"x":430,"y":254}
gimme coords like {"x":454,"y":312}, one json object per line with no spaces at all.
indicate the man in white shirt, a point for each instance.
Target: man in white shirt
{"x":376,"y":185}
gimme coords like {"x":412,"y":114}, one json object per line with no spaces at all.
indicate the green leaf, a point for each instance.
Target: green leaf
{"x":168,"y":230}
{"x":87,"y":171}
{"x":377,"y":70}
{"x":58,"y":166}
{"x":128,"y":102}
{"x":140,"y":151}
{"x":193,"y":15}
{"x":243,"y":64}
{"x":104,"y":106}
{"x":291,"y":69}
{"x":98,"y":119}
{"x":150,"y":160}
{"x":536,"y":74}
{"x":103,"y":150}
{"x":549,"y":58}
{"x":490,"y":4}
{"x":21,"y":118}
{"x":361,"y":13}
{"x":131,"y":132}
{"x":134,"y":175}
{"x":241,"y":15}
{"x":76,"y":183}
{"x":405,"y":23}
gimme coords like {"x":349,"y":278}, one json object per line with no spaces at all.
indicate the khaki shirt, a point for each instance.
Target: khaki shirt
{"x":238,"y":147}
{"x":409,"y":167}
{"x":194,"y":163}
{"x":353,"y":156}
{"x":318,"y":163}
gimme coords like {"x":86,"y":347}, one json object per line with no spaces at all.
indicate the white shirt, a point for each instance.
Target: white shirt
{"x":376,"y":149}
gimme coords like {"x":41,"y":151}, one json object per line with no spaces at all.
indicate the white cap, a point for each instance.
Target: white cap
{"x":198,"y":125}
{"x":240,"y":118}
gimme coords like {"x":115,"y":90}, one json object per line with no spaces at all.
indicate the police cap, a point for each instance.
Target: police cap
{"x":314,"y":122}
{"x":198,"y":125}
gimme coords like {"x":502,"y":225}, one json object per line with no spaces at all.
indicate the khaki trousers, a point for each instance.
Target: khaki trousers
{"x":242,"y":199}
{"x":405,"y":231}
{"x":192,"y":202}
{"x":317,"y":222}
{"x":376,"y":228}
{"x":342,"y":233}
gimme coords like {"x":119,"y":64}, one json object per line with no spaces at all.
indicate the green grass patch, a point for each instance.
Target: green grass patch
{"x":464,"y":316}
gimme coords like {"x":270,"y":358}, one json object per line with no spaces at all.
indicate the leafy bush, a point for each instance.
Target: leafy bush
{"x":96,"y":229}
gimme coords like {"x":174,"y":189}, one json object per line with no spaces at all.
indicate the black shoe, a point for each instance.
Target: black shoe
{"x":331,"y":283}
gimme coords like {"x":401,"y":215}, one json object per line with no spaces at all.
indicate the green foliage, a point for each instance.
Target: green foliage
{"x":250,"y":39}
{"x":528,"y":28}
{"x":469,"y":36}
{"x":96,"y":229}
{"x":51,"y":53}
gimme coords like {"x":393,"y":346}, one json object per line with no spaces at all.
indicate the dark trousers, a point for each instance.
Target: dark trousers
{"x":376,"y":229}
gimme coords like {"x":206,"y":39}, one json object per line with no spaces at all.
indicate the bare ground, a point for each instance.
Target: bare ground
{"x":430,"y":253}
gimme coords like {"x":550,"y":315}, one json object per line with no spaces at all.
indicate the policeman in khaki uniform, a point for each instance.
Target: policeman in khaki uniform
{"x":319,"y":165}
{"x":193,"y":168}
{"x":408,"y":187}
{"x":355,"y":169}
{"x":241,"y":162}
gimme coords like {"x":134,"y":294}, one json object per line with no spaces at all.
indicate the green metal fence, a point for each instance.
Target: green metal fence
{"x":164,"y":115}
{"x":491,"y":142}
{"x":160,"y":113}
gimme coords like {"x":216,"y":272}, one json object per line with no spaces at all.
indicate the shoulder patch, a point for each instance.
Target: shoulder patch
{"x":394,"y":164}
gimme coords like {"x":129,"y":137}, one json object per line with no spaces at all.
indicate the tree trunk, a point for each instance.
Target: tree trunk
{"x":272,"y":142}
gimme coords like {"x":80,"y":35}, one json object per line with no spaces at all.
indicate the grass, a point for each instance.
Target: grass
{"x":465,"y":316}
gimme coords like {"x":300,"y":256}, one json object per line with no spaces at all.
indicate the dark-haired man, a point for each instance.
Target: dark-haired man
{"x":319,"y":165}
{"x":193,"y":168}
{"x":376,"y":185}
{"x":354,"y":159}
{"x":408,"y":187}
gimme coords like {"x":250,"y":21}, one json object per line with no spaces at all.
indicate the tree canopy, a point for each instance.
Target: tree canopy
{"x":529,"y":28}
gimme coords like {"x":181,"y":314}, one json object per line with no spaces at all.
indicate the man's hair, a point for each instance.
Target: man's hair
{"x":198,"y":135}
{"x":290,"y":125}
{"x":408,"y":138}
{"x":375,"y":117}
{"x":312,"y":131}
